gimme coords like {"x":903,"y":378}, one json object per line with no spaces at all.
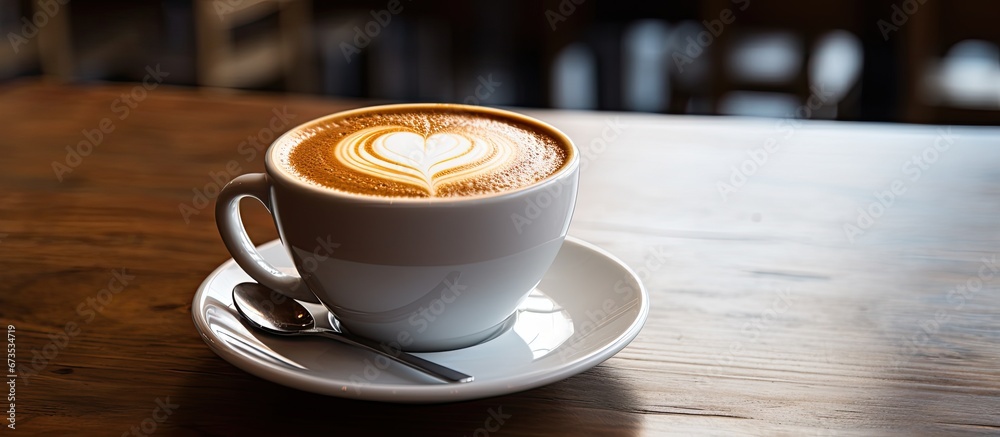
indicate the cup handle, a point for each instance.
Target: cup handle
{"x":227,"y":217}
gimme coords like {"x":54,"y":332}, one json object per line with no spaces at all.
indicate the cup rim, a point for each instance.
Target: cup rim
{"x":570,"y":166}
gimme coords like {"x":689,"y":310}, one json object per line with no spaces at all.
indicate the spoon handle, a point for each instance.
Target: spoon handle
{"x":428,"y":367}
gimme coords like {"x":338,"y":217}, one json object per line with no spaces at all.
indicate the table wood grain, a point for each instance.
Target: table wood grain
{"x":790,"y":294}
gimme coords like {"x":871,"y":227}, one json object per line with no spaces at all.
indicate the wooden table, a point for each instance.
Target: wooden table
{"x":768,"y":317}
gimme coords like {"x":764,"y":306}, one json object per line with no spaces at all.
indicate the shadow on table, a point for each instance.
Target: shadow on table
{"x":597,"y":401}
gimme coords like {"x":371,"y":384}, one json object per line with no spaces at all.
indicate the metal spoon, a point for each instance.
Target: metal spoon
{"x":290,"y":317}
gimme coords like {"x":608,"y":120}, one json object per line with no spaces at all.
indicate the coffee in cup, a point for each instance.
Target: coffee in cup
{"x":426,"y":152}
{"x":422,"y":226}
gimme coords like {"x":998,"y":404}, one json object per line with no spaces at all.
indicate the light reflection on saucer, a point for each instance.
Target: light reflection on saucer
{"x":542,"y":324}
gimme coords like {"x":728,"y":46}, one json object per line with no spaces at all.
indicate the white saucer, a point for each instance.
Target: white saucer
{"x":588,"y":307}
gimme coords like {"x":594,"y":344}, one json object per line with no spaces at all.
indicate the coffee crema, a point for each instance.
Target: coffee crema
{"x":425,"y":151}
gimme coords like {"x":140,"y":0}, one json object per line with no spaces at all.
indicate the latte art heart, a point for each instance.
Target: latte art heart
{"x":421,"y":151}
{"x":397,"y":154}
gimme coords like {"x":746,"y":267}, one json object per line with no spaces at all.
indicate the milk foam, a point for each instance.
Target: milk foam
{"x":422,"y":153}
{"x":394,"y":153}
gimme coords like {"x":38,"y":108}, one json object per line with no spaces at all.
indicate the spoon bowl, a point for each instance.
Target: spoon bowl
{"x":271,"y":311}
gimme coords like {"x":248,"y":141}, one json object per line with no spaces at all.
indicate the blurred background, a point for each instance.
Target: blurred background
{"x":915,"y":61}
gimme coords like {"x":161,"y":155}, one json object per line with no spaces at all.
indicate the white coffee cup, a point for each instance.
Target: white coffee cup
{"x":416,"y":274}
